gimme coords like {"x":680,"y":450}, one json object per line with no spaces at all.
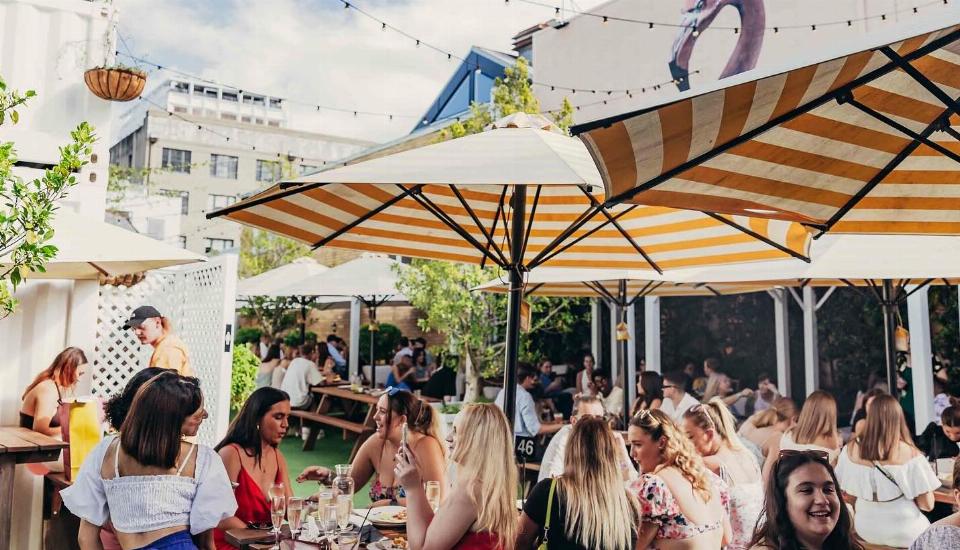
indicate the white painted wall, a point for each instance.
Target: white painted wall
{"x":588,"y":53}
{"x":46,"y":45}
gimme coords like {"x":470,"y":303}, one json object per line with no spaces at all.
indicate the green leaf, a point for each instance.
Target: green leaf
{"x":14,"y":116}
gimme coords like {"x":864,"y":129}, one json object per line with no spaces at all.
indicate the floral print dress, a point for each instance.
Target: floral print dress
{"x":657,"y":505}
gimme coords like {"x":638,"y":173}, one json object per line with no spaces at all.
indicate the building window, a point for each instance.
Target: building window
{"x":179,"y":109}
{"x":307,"y":168}
{"x":182,"y":87}
{"x":274,"y":123}
{"x":274,"y":103}
{"x":184,"y":199}
{"x":218,"y":245}
{"x":229,"y":96}
{"x":223,"y":166}
{"x":259,"y":121}
{"x":244,"y":118}
{"x":176,"y":160}
{"x":182,"y":240}
{"x":215,"y":202}
{"x":211,"y":92}
{"x":228,"y":116}
{"x":268,"y":170}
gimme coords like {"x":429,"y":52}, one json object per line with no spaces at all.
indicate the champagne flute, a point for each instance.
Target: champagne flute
{"x":277,"y":511}
{"x":344,"y":508}
{"x":294,"y":509}
{"x":324,"y":499}
{"x":432,"y":490}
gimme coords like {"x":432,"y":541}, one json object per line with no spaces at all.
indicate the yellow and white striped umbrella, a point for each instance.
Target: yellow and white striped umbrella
{"x":857,"y":141}
{"x":454,"y":200}
{"x":605,"y":283}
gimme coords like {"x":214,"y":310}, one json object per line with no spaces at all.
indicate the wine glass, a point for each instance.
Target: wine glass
{"x":294,"y":509}
{"x":432,"y":490}
{"x":344,"y":508}
{"x":278,"y":506}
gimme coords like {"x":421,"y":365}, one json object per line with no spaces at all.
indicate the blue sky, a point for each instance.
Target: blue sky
{"x":317,"y":51}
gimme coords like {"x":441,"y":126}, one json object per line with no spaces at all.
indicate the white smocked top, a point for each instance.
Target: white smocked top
{"x":144,"y":503}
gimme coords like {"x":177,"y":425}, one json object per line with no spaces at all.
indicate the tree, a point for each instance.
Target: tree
{"x":27,"y":209}
{"x":475,"y":322}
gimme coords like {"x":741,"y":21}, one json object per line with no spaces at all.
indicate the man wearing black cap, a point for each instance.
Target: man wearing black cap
{"x":169,"y":351}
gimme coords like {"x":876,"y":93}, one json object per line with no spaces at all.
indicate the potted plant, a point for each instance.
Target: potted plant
{"x":115,"y":82}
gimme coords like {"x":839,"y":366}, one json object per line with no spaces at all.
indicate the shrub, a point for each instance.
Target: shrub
{"x":385,"y":340}
{"x":243,"y":377}
{"x":245,"y":335}
{"x":293,"y":338}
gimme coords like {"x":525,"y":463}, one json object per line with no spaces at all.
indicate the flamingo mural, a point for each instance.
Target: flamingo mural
{"x":697,"y":16}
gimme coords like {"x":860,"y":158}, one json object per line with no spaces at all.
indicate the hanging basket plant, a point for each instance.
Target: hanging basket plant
{"x":115,"y":83}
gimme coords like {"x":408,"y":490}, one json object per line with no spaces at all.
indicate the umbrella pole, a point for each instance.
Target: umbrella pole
{"x":889,"y":305}
{"x":373,"y":347}
{"x":622,"y":345}
{"x":303,"y":320}
{"x":518,"y":204}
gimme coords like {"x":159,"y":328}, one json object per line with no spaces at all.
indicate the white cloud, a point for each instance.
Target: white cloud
{"x":317,"y":51}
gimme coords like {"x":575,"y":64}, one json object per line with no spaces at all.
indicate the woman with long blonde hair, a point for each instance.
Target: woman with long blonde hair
{"x":712,"y":430}
{"x":769,"y":425}
{"x":481,"y":514}
{"x":589,"y":507}
{"x":888,"y":476}
{"x":816,"y":429}
{"x":682,"y":504}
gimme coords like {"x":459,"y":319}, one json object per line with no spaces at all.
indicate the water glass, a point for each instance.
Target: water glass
{"x":348,"y":540}
{"x":328,"y":519}
{"x":432,"y":490}
{"x":324,"y":499}
{"x":294,"y":510}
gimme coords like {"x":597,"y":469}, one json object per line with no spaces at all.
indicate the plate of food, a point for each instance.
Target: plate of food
{"x":389,"y":543}
{"x":388,"y":516}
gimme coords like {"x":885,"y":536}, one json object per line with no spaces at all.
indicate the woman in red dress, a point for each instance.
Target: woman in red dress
{"x":252,"y":458}
{"x":481,"y":512}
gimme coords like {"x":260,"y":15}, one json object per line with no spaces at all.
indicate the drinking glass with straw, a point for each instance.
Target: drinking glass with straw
{"x":277,"y":511}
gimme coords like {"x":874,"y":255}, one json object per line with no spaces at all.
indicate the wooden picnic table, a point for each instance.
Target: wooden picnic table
{"x":944,"y":494}
{"x":351,"y":402}
{"x":253,"y":539}
{"x":20,"y":446}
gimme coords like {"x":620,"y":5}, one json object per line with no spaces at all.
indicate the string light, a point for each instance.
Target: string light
{"x":813,"y":26}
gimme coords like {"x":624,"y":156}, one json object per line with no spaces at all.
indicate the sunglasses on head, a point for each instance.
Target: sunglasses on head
{"x":818,"y":456}
{"x":391,"y":391}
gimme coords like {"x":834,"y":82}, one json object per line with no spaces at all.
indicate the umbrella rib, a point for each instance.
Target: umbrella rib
{"x":904,"y":130}
{"x":644,"y":292}
{"x":496,"y":218}
{"x":535,"y":288}
{"x":429,"y":206}
{"x":243,"y":205}
{"x":622,"y":231}
{"x":533,"y":213}
{"x":600,"y":289}
{"x":387,"y":204}
{"x":885,"y":171}
{"x":758,"y":236}
{"x":554,"y":253}
{"x":921,"y":285}
{"x":747,"y":136}
{"x":476,"y":220}
{"x":584,"y":217}
{"x":953,"y":133}
{"x":713,"y":290}
{"x":914,"y":73}
{"x":506,"y":228}
{"x":99,"y":269}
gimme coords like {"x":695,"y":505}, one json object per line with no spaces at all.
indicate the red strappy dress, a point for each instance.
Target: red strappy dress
{"x":252,"y":504}
{"x":478,"y":541}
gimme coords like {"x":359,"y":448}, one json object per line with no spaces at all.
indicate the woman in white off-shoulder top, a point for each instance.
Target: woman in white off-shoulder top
{"x":157,"y":490}
{"x":890,"y":479}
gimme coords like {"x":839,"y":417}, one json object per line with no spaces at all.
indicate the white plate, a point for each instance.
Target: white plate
{"x":386,"y":515}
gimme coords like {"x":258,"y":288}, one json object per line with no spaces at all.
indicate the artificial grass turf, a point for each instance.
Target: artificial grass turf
{"x":329,"y":451}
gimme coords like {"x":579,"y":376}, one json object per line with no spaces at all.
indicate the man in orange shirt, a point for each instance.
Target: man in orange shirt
{"x":169,"y":351}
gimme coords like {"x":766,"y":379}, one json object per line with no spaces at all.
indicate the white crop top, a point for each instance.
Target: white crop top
{"x":139,"y":504}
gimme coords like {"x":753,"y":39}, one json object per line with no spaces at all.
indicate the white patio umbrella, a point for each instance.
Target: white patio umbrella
{"x":270,"y":283}
{"x":371,"y":279}
{"x":90,"y":248}
{"x":519,"y":195}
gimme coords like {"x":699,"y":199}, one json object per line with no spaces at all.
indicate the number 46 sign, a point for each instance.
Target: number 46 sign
{"x":527,"y":449}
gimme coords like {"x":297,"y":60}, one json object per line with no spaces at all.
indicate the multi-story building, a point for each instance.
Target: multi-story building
{"x":210,"y":145}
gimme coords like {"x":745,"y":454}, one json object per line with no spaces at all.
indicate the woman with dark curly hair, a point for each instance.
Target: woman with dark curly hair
{"x":117,"y":407}
{"x":802,"y":508}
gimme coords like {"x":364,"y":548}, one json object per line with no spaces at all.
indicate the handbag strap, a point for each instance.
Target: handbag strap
{"x":891,"y":479}
{"x":546,"y":523}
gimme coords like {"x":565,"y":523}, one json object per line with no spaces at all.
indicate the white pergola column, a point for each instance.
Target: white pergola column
{"x":353,"y":363}
{"x":781,"y":310}
{"x":651,"y":332}
{"x":811,"y":349}
{"x":595,"y":344}
{"x":921,"y":355}
{"x":82,"y":325}
{"x":631,"y":382}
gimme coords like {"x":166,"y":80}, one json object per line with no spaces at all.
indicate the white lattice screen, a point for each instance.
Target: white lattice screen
{"x":199,"y":300}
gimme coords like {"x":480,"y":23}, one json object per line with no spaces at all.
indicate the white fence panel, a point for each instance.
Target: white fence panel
{"x":199,"y":301}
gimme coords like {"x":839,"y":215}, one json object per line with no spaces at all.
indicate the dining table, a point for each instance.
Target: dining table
{"x":20,"y":446}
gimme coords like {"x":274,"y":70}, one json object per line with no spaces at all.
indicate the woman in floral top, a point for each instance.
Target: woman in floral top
{"x":679,"y":498}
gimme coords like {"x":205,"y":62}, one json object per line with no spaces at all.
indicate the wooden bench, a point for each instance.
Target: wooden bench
{"x":328,"y":420}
